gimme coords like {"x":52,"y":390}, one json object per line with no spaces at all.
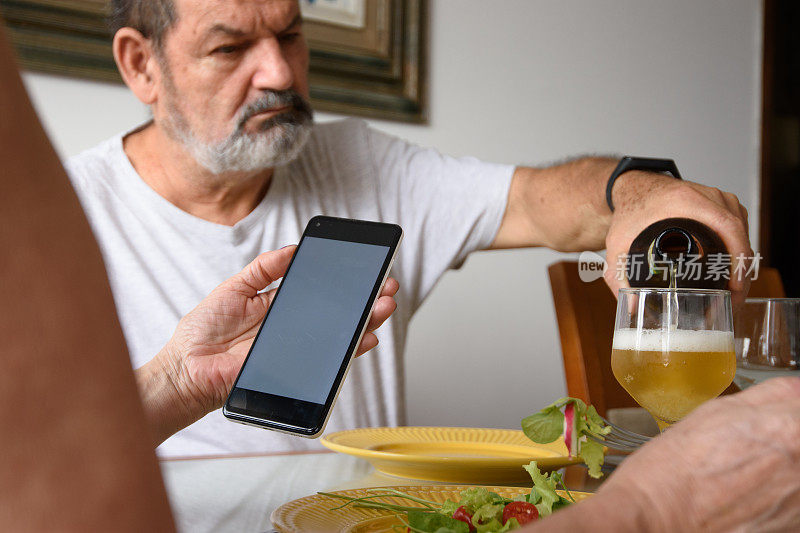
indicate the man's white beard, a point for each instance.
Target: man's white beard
{"x":278,"y":140}
{"x":246,"y":152}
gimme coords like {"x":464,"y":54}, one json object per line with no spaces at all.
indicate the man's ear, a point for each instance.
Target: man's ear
{"x":137,"y":63}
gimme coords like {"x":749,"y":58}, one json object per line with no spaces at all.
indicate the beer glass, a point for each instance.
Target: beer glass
{"x":767,"y":337}
{"x":673,"y":349}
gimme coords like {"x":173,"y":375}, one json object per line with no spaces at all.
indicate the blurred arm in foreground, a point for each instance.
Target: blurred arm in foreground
{"x":74,"y":453}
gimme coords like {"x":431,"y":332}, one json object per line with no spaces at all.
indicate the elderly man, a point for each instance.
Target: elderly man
{"x":231,"y":165}
{"x":77,"y":457}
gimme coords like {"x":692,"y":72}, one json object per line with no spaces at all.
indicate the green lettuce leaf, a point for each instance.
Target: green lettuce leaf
{"x":487,"y":513}
{"x":557,"y":480}
{"x":495,"y":526}
{"x":544,"y":426}
{"x":476,"y":498}
{"x":511,"y":525}
{"x":543,"y":495}
{"x":548,"y":424}
{"x":449,"y":507}
{"x":435,"y":523}
{"x":592,"y":454}
{"x":595,"y":423}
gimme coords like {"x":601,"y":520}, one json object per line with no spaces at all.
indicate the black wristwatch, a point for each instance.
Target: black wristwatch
{"x":639,"y":163}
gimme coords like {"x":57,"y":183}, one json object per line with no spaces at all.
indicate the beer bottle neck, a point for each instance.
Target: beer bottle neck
{"x":674,"y":243}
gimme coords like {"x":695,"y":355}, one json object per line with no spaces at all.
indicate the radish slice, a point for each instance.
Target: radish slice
{"x":570,"y":435}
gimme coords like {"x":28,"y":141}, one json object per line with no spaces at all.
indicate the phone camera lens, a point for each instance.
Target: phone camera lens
{"x":319,"y":224}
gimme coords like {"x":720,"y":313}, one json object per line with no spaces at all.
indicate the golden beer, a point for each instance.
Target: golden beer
{"x":670,"y":372}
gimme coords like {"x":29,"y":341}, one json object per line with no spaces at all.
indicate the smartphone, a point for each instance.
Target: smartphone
{"x":299,"y":359}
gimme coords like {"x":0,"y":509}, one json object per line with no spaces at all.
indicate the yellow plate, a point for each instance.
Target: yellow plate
{"x":314,"y":514}
{"x":455,"y":455}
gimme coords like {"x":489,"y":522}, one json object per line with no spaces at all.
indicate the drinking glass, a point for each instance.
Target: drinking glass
{"x":767,"y":339}
{"x":673,"y":349}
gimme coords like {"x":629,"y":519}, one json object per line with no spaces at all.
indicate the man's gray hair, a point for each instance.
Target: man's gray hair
{"x":151,"y":18}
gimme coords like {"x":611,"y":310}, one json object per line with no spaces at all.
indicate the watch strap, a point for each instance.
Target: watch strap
{"x":639,"y":163}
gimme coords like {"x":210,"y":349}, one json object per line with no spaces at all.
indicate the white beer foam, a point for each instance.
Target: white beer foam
{"x":675,"y":340}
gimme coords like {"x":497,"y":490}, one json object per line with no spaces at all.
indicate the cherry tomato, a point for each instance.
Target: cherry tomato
{"x":464,"y":515}
{"x":524,"y":512}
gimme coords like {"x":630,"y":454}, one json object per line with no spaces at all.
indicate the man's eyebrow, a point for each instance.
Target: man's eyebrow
{"x":235,"y":32}
{"x":227,"y":30}
{"x":298,"y":19}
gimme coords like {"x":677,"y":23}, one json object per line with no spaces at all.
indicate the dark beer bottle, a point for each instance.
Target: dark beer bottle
{"x":678,"y":252}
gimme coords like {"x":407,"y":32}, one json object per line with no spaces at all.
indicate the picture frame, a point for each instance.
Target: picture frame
{"x":367,"y":57}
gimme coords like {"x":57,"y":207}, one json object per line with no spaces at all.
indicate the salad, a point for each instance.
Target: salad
{"x":575,"y":423}
{"x":478,"y":509}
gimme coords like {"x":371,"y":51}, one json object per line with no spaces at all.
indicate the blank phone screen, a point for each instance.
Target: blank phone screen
{"x":311,"y":324}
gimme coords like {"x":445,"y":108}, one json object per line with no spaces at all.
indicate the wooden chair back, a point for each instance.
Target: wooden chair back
{"x":585,"y":313}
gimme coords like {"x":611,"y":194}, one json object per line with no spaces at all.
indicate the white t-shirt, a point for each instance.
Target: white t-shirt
{"x":162,"y":261}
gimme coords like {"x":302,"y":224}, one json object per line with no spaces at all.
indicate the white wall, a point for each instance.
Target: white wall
{"x":523,"y":81}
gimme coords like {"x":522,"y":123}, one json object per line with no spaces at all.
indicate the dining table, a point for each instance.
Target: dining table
{"x":239,"y":492}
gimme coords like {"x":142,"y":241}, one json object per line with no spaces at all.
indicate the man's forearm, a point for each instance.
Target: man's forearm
{"x":165,"y":409}
{"x":562,"y":207}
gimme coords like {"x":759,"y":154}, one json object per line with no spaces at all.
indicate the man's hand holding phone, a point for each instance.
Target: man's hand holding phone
{"x":193,"y":374}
